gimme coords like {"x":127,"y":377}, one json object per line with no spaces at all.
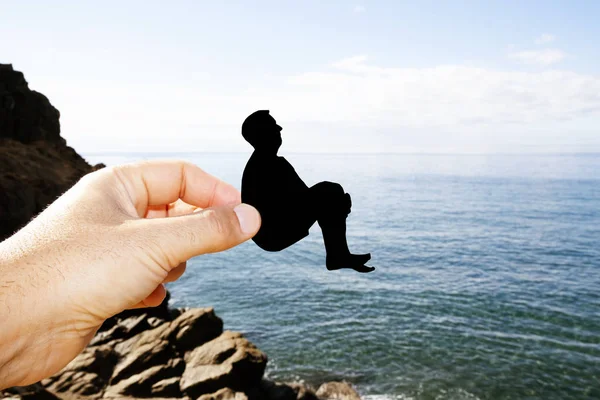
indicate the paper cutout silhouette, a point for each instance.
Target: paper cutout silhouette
{"x":288,"y":207}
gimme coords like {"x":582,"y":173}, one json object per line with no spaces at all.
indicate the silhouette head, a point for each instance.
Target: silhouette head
{"x":261,"y":130}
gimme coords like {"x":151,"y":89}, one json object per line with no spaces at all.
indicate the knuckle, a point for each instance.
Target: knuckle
{"x":218,"y":224}
{"x":192,"y":237}
{"x":187,"y":164}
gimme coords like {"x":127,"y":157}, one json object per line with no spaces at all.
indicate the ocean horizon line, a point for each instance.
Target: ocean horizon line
{"x":580,"y":153}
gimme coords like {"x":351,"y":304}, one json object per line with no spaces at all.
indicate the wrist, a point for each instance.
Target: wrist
{"x":19,"y":325}
{"x":38,"y":335}
{"x":11,"y":340}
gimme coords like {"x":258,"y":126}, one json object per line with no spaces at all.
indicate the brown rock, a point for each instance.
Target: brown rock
{"x":79,"y":382}
{"x":30,"y":392}
{"x":122,"y":330}
{"x":276,"y":391}
{"x":155,"y":315}
{"x":224,"y":394}
{"x":151,"y":336}
{"x":87,"y":374}
{"x":269,"y":390}
{"x":216,"y":351}
{"x":190,"y":329}
{"x":302,"y":392}
{"x":227,"y":361}
{"x":167,"y":387}
{"x":193,"y":328}
{"x":337,"y":391}
{"x":133,"y":398}
{"x":176,"y":312}
{"x":142,"y":384}
{"x":154,"y":322}
{"x":87,"y":384}
{"x":141,"y":358}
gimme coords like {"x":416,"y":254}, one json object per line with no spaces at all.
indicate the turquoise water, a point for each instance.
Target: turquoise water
{"x":487,"y":281}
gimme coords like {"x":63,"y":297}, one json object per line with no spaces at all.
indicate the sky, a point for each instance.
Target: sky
{"x":338,"y":76}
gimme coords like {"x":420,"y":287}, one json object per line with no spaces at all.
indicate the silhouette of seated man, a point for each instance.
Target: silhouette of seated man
{"x":288,"y":207}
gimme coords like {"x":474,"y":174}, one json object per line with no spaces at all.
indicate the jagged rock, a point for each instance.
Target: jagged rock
{"x":194,"y":328}
{"x":148,"y":337}
{"x":337,"y":391}
{"x":154,"y":321}
{"x":269,"y":390}
{"x":87,"y":374}
{"x":154,"y":316}
{"x":167,"y":387}
{"x":189,"y":330}
{"x":25,"y":115}
{"x":141,"y":358}
{"x":142,"y":384}
{"x":176,"y":312}
{"x":36,"y":165}
{"x":276,"y":391}
{"x":87,"y":384}
{"x":84,"y":383}
{"x":122,"y":330}
{"x":131,"y":398}
{"x":227,"y":361}
{"x":224,"y":394}
{"x":302,"y":392}
{"x":216,"y":351}
{"x":30,"y":392}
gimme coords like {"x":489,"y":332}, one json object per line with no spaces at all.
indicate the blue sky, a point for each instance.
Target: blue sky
{"x":342,"y":76}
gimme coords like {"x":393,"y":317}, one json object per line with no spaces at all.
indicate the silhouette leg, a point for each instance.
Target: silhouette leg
{"x":332,"y":207}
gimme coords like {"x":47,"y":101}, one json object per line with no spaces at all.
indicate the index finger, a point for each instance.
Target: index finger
{"x":158,"y":182}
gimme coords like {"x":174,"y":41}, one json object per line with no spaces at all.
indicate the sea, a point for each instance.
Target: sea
{"x":487,"y":280}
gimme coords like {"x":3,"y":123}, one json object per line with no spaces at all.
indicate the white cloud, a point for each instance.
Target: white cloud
{"x":350,"y":62}
{"x":452,"y":107}
{"x":545,"y":39}
{"x":539,"y":57}
{"x":359,"y":9}
{"x":457,"y":95}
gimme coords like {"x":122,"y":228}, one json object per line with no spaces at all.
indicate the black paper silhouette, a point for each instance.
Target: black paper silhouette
{"x":288,"y":207}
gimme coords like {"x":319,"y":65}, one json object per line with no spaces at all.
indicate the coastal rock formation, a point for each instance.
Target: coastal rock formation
{"x":337,"y":391}
{"x":25,"y":115}
{"x":36,"y":165}
{"x":184,"y":354}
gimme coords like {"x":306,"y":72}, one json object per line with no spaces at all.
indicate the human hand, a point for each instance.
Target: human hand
{"x":106,"y":245}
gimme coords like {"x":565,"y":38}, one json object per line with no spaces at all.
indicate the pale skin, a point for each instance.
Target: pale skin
{"x":108,"y":244}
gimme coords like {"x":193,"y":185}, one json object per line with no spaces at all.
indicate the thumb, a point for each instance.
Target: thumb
{"x":207,"y":231}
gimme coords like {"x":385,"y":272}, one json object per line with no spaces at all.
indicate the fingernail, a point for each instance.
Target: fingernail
{"x":249,"y":218}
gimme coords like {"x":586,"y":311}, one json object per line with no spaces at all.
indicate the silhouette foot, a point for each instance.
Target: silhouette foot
{"x":353,"y":261}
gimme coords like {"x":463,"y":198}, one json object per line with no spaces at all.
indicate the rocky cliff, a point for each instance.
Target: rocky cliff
{"x":146,"y":353}
{"x":164,"y":353}
{"x":36,"y":165}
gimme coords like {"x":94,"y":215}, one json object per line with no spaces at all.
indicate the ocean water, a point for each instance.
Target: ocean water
{"x":487,"y":283}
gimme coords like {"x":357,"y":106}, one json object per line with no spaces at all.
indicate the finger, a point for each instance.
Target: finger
{"x":175,"y":273}
{"x":154,"y":299}
{"x":206,"y":231}
{"x":170,"y":210}
{"x":152,"y":183}
{"x":156,"y":211}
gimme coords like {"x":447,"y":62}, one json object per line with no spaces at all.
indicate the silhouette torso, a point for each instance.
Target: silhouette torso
{"x":271,"y":184}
